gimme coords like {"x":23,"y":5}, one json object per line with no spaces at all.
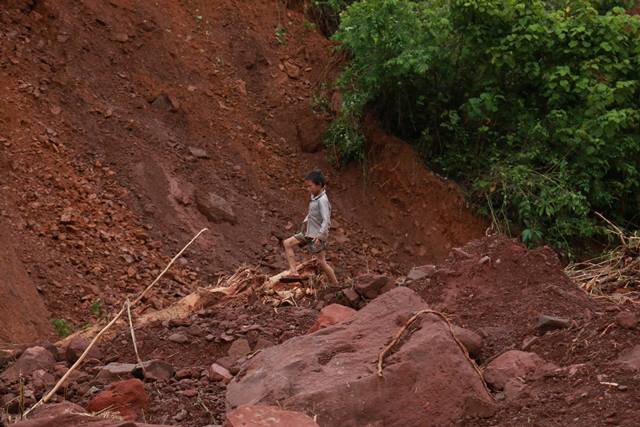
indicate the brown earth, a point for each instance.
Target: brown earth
{"x":120,"y":117}
{"x":117,"y":114}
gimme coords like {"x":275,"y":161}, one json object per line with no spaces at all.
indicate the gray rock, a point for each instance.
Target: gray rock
{"x":179,"y":338}
{"x":116,"y":370}
{"x":215,"y":208}
{"x":372,"y":285}
{"x":219,"y":373}
{"x":549,"y":323}
{"x":165,"y":102}
{"x":157,"y":370}
{"x":417,"y":273}
{"x":200,"y":153}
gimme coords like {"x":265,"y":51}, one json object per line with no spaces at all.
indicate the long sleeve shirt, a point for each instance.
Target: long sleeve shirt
{"x":318,"y":219}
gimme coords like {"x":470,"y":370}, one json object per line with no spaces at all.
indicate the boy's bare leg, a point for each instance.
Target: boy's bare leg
{"x":289,"y":244}
{"x":326,"y":268}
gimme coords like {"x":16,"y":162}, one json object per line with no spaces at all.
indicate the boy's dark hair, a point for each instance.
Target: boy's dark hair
{"x":316,"y":177}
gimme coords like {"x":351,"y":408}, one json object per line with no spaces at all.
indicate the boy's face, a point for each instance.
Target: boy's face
{"x":312,"y":187}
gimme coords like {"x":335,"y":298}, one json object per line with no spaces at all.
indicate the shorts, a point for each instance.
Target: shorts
{"x":310,"y":244}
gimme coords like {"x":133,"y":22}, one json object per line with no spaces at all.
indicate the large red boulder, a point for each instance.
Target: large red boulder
{"x":266,"y":416}
{"x":127,"y":397}
{"x":332,"y":314}
{"x":332,"y":372}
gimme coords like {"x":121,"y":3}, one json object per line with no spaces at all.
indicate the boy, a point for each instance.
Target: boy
{"x":315,"y":228}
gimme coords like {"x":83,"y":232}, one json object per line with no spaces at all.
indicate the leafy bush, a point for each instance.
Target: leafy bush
{"x":533,"y":105}
{"x":63,"y":327}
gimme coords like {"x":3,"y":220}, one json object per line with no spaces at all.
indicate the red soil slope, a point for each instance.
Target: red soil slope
{"x":103,"y":105}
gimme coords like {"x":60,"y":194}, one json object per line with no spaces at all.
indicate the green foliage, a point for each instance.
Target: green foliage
{"x":281,"y":35}
{"x":96,"y":308}
{"x":534,"y":105}
{"x":63,"y":327}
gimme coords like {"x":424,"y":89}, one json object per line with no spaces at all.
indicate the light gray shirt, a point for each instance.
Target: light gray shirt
{"x":318,"y":220}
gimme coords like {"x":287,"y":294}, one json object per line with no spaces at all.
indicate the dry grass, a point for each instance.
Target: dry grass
{"x":615,"y":275}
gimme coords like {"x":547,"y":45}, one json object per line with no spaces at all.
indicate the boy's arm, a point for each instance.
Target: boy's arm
{"x":325,"y":211}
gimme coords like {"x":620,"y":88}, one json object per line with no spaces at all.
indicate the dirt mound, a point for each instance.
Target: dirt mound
{"x":332,"y":373}
{"x":499,"y":288}
{"x":520,"y":299}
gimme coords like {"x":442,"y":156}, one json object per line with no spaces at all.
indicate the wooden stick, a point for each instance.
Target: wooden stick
{"x":137,"y":300}
{"x":133,"y":336}
{"x":413,"y":318}
{"x":55,"y":388}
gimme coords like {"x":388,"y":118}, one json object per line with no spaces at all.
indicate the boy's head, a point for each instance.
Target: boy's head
{"x":315,"y":182}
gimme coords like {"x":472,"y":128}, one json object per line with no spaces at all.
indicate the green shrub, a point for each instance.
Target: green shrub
{"x":533,"y":105}
{"x":63,"y":327}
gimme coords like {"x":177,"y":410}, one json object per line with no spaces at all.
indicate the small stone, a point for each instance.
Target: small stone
{"x":119,"y":37}
{"x":417,"y":273}
{"x":548,"y":323}
{"x":622,"y":387}
{"x":332,"y":314}
{"x":215,"y":208}
{"x":239,"y":348}
{"x":192,"y":392}
{"x":627,"y":319}
{"x":128,"y":397}
{"x":528,"y":342}
{"x":179,"y":338}
{"x":210,"y":337}
{"x":218,"y":372}
{"x":351,"y":295}
{"x":181,"y":415}
{"x":630,"y":359}
{"x":115,"y":370}
{"x":372,"y":285}
{"x":157,"y":370}
{"x":200,"y":153}
{"x":184,"y":373}
{"x":165,"y":102}
{"x":291,"y":69}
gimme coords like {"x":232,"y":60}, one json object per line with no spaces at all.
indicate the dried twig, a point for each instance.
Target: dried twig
{"x":133,"y":336}
{"x":78,"y":362}
{"x":616,"y":274}
{"x":413,"y":318}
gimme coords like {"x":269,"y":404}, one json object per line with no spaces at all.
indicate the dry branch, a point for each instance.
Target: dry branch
{"x":409,"y":322}
{"x":78,"y":362}
{"x":616,"y":274}
{"x":133,"y":336}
